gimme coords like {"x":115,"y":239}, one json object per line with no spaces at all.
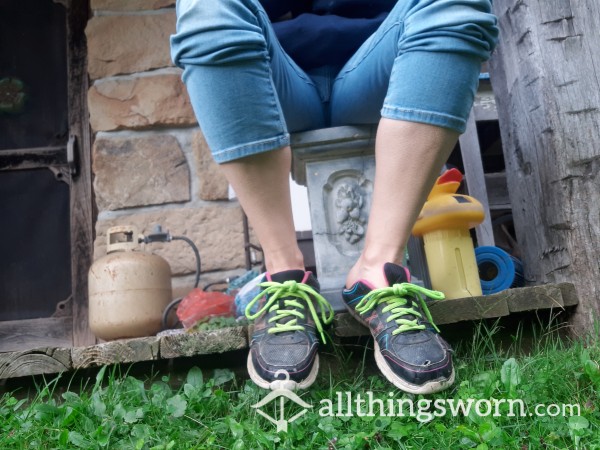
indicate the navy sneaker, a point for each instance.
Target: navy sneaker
{"x":408,"y":348}
{"x":283,"y":349}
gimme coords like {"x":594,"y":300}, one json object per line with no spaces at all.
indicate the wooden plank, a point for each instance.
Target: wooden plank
{"x":484,"y":107}
{"x":34,"y":362}
{"x":204,"y":342}
{"x":469,"y":308}
{"x":18,"y":335}
{"x":534,"y":297}
{"x":443,"y":312}
{"x":114,"y":352}
{"x":482,"y":307}
{"x":471,"y":156}
{"x":345,"y":325}
{"x":33,"y":158}
{"x":497,"y":191}
{"x":81,"y":184}
{"x":305,"y":242}
{"x":569,"y":294}
{"x":53,"y":360}
{"x":417,"y":260}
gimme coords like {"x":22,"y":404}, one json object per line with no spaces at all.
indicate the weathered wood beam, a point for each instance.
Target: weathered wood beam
{"x":497,"y":191}
{"x":206,"y":343}
{"x":475,"y":179}
{"x":35,"y":333}
{"x":484,"y":106}
{"x":115,"y":352}
{"x":33,"y":158}
{"x":48,"y":360}
{"x":82,"y":203}
{"x":53,"y":360}
{"x":491,"y":306}
{"x":34,"y":362}
{"x":547,"y":92}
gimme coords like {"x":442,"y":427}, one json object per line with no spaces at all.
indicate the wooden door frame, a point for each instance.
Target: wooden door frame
{"x":72,"y":324}
{"x":82,"y":204}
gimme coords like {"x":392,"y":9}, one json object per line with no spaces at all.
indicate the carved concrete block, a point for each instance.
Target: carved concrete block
{"x":339,"y":193}
{"x":337,"y":166}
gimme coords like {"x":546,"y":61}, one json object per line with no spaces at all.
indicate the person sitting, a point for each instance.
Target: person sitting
{"x":256,"y":71}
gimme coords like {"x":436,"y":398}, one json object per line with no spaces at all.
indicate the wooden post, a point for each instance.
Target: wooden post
{"x":547,"y":86}
{"x":81,"y":185}
{"x":471,"y":156}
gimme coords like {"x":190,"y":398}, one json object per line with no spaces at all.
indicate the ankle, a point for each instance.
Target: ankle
{"x":281,"y":261}
{"x":369,"y":266}
{"x":372,"y":273}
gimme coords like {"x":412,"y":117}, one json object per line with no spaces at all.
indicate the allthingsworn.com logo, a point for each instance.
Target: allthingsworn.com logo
{"x":367,"y":404}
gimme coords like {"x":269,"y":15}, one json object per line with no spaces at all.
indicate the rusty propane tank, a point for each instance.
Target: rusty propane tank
{"x":128,"y":288}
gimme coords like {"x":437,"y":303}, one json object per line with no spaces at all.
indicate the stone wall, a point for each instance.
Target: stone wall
{"x":151,"y":164}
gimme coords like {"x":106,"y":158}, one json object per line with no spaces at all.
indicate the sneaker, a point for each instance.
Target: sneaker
{"x":408,"y":348}
{"x":283,"y":349}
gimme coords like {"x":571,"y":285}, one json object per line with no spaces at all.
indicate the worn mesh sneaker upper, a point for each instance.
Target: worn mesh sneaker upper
{"x":284,"y":343}
{"x":408,"y":348}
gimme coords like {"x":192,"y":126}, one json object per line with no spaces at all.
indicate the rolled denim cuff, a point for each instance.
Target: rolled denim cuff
{"x":434,"y":88}
{"x":252,"y":148}
{"x":458,"y":124}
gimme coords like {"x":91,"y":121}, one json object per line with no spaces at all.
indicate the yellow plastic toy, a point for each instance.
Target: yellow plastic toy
{"x":444,"y":224}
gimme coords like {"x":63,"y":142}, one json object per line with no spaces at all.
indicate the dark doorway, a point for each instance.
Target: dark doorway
{"x":45,"y":187}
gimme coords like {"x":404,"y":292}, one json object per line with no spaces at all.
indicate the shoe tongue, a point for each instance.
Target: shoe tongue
{"x":396,"y":274}
{"x":287,"y":275}
{"x":299,"y":276}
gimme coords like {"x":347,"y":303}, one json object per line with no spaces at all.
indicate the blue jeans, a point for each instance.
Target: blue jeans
{"x":421,"y":65}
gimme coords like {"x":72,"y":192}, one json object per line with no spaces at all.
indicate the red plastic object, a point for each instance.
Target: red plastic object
{"x":449,"y":176}
{"x":199,"y":306}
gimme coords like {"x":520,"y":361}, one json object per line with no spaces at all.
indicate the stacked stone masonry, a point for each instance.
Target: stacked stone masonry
{"x":151,"y":164}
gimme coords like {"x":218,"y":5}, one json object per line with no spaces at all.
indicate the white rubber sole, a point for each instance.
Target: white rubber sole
{"x":427,"y":388}
{"x":430,"y":387}
{"x":288,"y":384}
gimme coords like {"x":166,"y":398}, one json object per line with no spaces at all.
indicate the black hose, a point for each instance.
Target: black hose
{"x":214,"y":283}
{"x":196,"y":252}
{"x":167,"y":311}
{"x":176,"y":302}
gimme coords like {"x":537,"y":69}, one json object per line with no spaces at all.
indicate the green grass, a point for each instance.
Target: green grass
{"x":213,"y":409}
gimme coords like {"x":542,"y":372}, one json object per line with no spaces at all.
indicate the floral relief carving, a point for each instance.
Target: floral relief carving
{"x":349,"y":214}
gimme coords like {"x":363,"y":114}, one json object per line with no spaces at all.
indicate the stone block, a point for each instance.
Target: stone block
{"x":338,"y":167}
{"x":139,"y":171}
{"x":212,"y":183}
{"x":339,"y":192}
{"x":216,"y":230}
{"x":130,"y":5}
{"x":128,"y":43}
{"x":139,"y":102}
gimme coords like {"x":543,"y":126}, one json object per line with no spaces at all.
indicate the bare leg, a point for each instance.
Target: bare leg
{"x":261,"y":183}
{"x":409,"y":157}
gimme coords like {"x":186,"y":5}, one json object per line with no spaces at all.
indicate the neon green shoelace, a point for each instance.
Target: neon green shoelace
{"x":293,"y":306}
{"x":394,"y":296}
